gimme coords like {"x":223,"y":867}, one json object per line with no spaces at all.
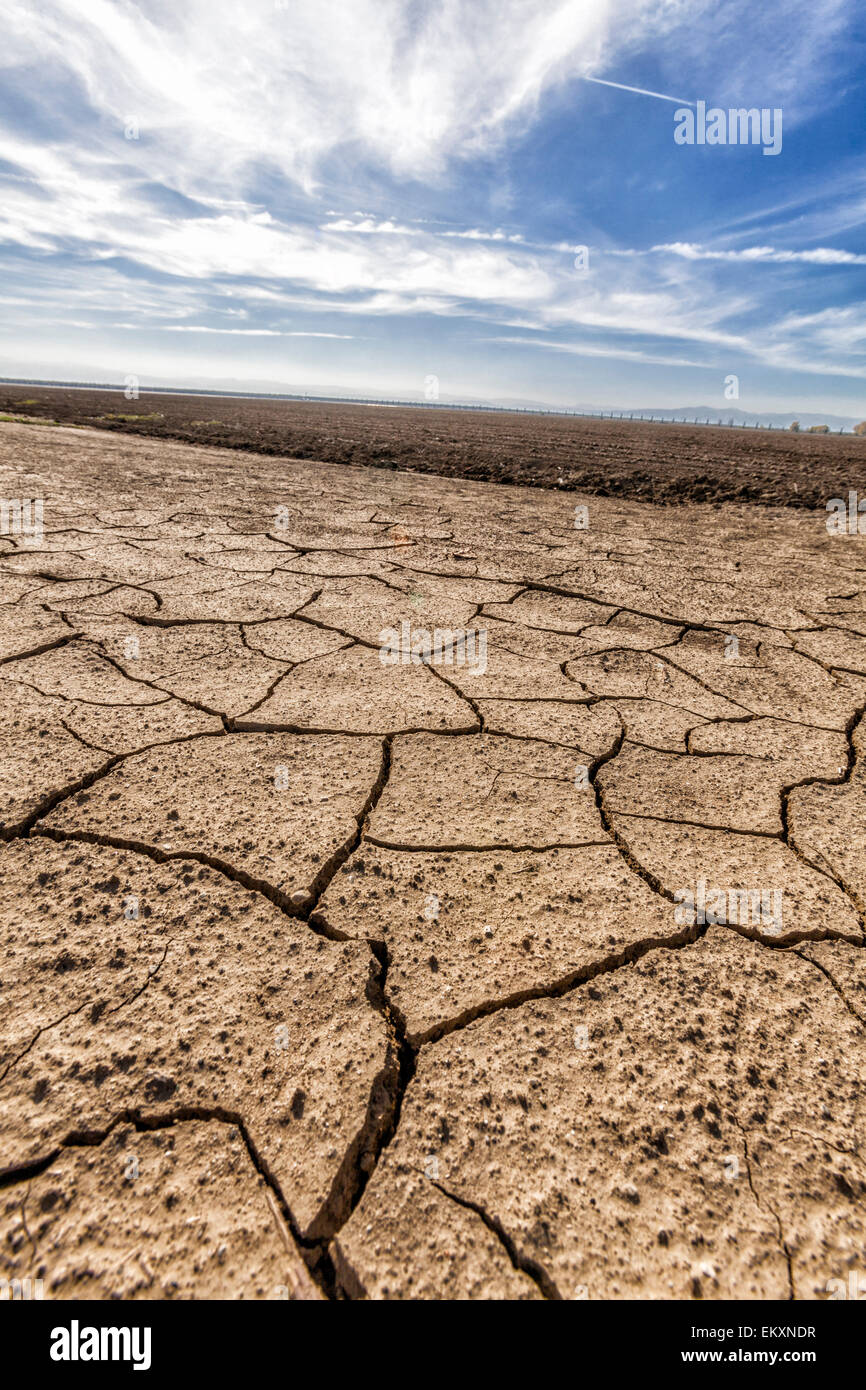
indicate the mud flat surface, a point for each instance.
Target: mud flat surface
{"x":531,"y":969}
{"x":655,"y":462}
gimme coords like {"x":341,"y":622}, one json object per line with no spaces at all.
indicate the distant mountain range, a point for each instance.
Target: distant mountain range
{"x":779,"y":420}
{"x":703,"y":414}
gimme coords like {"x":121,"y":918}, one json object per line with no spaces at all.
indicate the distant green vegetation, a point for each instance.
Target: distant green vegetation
{"x":157,"y":415}
{"x":28,"y":419}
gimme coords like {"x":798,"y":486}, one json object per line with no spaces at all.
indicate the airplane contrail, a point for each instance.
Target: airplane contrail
{"x":641,"y":91}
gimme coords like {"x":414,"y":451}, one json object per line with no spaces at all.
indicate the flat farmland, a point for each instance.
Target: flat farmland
{"x":654,"y":462}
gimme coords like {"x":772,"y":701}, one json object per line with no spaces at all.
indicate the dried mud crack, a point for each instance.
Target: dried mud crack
{"x":420,"y":898}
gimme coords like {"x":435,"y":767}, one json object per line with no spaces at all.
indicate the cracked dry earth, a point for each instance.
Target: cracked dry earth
{"x":324,"y":978}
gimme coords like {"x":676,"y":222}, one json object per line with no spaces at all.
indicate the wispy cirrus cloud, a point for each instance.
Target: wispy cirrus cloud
{"x":819,"y":255}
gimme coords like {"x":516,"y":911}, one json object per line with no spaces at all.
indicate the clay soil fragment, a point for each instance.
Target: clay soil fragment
{"x":483,"y":792}
{"x":665,"y":1131}
{"x":272,"y":809}
{"x":157,"y":989}
{"x":352,"y":691}
{"x":466,"y":932}
{"x":173,"y":1213}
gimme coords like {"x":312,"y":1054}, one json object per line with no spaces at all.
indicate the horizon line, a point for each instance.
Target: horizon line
{"x":646,"y":415}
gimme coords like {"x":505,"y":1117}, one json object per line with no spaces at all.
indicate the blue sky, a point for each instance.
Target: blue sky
{"x":359,"y":195}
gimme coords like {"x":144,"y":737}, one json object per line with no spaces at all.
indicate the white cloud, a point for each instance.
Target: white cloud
{"x":621,"y":354}
{"x":219,"y":85}
{"x":238,"y":332}
{"x":819,"y":255}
